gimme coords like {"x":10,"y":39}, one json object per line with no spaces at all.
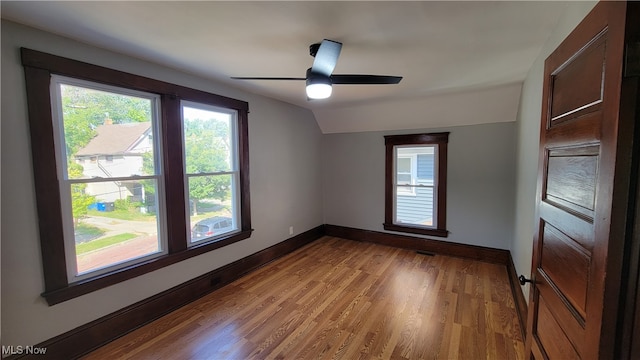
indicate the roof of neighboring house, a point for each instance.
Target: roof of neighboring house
{"x":115,"y":139}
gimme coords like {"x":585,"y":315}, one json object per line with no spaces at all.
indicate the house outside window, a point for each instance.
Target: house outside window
{"x":110,"y":171}
{"x":415,"y":182}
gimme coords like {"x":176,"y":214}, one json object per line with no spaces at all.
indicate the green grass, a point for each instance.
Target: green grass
{"x":85,"y":229}
{"x":123,"y":215}
{"x":205,"y":210}
{"x":104,"y":242}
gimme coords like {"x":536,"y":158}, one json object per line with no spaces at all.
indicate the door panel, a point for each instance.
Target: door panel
{"x":571,"y":179}
{"x":552,"y":338}
{"x":567,"y":265}
{"x":569,"y":320}
{"x":577,"y":85}
{"x":575,"y":245}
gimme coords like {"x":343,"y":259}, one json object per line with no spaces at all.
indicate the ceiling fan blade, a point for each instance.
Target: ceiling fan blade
{"x":352,"y":79}
{"x":326,"y":57}
{"x":265,"y":78}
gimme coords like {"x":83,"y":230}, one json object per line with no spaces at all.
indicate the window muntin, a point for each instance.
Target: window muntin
{"x":415,"y":183}
{"x":100,"y":199}
{"x":211,"y":169}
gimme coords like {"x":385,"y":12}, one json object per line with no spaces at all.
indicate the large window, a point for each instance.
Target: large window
{"x":132,"y":174}
{"x":415,"y":181}
{"x":109,"y":213}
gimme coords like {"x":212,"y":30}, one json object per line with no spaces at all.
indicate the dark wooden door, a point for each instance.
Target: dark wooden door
{"x":583,"y":192}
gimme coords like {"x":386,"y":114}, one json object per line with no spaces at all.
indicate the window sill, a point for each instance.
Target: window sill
{"x":101,"y":281}
{"x":416,"y":230}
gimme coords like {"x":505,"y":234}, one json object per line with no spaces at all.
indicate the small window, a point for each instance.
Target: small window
{"x":415,"y":183}
{"x":211,"y":165}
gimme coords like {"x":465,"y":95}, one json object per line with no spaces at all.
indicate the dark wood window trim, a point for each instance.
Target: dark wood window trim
{"x":439,"y":139}
{"x":38,"y":69}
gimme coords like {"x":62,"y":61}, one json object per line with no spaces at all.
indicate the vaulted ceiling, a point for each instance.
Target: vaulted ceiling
{"x":462,"y":62}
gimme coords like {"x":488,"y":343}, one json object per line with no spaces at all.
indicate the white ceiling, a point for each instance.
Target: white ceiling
{"x":443,"y":49}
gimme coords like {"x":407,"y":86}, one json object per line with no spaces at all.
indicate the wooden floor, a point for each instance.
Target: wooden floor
{"x":342,"y":299}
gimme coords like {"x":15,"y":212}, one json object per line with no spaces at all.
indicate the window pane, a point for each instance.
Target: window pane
{"x":426,"y":168}
{"x":113,"y":222}
{"x":207,"y":140}
{"x":212,"y":210}
{"x":403,"y":179}
{"x":106,"y":134}
{"x":404,"y":165}
{"x":414,"y":205}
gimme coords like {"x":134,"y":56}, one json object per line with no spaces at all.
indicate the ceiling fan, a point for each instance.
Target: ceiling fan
{"x":319,"y":76}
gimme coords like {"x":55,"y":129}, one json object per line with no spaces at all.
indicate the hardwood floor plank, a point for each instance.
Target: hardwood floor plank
{"x":342,"y":299}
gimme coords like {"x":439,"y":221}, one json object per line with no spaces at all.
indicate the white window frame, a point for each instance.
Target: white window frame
{"x":234,"y":170}
{"x":65,"y":183}
{"x":414,"y":183}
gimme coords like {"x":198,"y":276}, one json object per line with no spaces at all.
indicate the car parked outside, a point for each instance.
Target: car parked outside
{"x":210,"y":227}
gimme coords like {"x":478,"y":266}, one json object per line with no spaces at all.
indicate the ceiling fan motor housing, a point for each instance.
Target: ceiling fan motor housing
{"x":317,"y":78}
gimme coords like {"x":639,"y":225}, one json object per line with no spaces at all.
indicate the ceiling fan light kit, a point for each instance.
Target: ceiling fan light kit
{"x":318,"y":91}
{"x":318,"y":86}
{"x":319,"y":77}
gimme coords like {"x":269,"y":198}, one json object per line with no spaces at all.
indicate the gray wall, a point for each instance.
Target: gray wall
{"x":480,"y":181}
{"x":528,"y":135}
{"x":285,"y":144}
{"x":299,"y":178}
